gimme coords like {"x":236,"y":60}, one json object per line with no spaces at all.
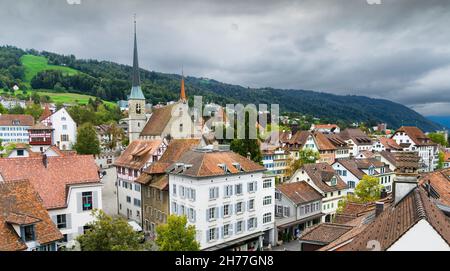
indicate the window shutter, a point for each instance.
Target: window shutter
{"x":222,"y":232}
{"x":256,"y":186}
{"x":95,"y":200}
{"x":217,"y":212}
{"x":230,"y":209}
{"x":69,"y":221}
{"x":79,"y":203}
{"x":222,"y":211}
{"x":193,"y":215}
{"x":217,"y":233}
{"x":256,"y":222}
{"x":230,"y":229}
{"x":80,"y":230}
{"x":55,"y":219}
{"x":207,"y":214}
{"x":207,"y":236}
{"x":243,"y":207}
{"x":22,"y":233}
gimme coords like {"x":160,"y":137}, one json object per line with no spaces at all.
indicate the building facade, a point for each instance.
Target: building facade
{"x":14,"y":128}
{"x":226,"y":197}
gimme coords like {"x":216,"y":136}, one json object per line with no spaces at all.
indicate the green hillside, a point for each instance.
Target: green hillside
{"x":35,"y":64}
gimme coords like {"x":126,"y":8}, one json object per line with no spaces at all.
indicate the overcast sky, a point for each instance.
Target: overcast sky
{"x":398,"y":50}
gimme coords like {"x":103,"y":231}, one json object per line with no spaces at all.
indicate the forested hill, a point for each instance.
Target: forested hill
{"x":111,"y":81}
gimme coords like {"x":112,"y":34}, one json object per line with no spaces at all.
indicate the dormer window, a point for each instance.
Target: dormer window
{"x":28,"y":233}
{"x":16,"y":122}
{"x":333,"y":181}
{"x":224,"y":167}
{"x":237,"y":166}
{"x":371,"y":170}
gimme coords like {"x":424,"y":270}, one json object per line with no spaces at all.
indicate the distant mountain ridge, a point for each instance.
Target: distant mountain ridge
{"x":112,"y":81}
{"x":442,"y":120}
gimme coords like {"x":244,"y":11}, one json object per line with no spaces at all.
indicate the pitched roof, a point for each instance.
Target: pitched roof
{"x":323,"y":143}
{"x":205,"y":163}
{"x":416,"y":135}
{"x":325,"y":233}
{"x":40,"y":126}
{"x":10,"y":119}
{"x":175,"y":149}
{"x":51,"y":182}
{"x":440,"y":182}
{"x":20,"y":204}
{"x":394,"y":222}
{"x":336,"y":140}
{"x":390,"y":156}
{"x":357,"y":135}
{"x":138,"y":153}
{"x":299,"y":192}
{"x":158,"y":121}
{"x":325,"y":126}
{"x":356,"y":166}
{"x":390,"y":144}
{"x":45,"y":114}
{"x":320,"y":173}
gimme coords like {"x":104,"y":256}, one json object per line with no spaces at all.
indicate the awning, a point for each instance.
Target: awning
{"x":234,"y":242}
{"x":300,"y":221}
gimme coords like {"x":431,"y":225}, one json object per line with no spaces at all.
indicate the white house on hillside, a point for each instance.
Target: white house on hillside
{"x":65,"y":128}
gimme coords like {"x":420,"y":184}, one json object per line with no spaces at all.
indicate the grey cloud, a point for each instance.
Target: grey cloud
{"x":398,"y":50}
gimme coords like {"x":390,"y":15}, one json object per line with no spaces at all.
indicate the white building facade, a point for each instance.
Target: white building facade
{"x":233,"y":211}
{"x":65,"y":129}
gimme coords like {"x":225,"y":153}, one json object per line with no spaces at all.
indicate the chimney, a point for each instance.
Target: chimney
{"x":406,"y":180}
{"x":379,"y":208}
{"x":45,"y":160}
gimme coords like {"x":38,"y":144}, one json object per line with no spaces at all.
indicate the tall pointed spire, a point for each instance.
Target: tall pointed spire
{"x":136,"y":91}
{"x":183,"y":97}
{"x":136,"y":76}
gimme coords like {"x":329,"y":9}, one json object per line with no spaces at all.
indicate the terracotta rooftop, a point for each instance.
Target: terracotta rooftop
{"x":325,"y":233}
{"x":138,"y":153}
{"x":299,"y":192}
{"x":356,"y":166}
{"x":205,"y":163}
{"x":390,"y":144}
{"x":51,"y":182}
{"x":416,"y":135}
{"x":16,"y":120}
{"x":440,"y":182}
{"x":358,"y":136}
{"x":45,"y":114}
{"x":158,"y":121}
{"x":175,"y":149}
{"x":395,"y":221}
{"x":320,"y":173}
{"x":20,"y":204}
{"x":323,"y":142}
{"x":40,"y":126}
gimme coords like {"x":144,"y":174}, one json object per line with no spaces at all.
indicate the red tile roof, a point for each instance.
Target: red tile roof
{"x":440,"y":181}
{"x":205,"y":163}
{"x":358,"y":136}
{"x":20,"y":204}
{"x":51,"y":182}
{"x":320,"y":174}
{"x":23,"y":120}
{"x":299,"y":192}
{"x":45,"y":114}
{"x":390,"y":144}
{"x":158,"y":121}
{"x":416,"y":135}
{"x":138,"y":153}
{"x":325,"y":233}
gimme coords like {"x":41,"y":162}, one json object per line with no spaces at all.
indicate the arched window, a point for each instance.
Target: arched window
{"x":138,"y":109}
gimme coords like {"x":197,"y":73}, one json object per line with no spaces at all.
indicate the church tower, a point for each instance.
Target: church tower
{"x":136,"y":100}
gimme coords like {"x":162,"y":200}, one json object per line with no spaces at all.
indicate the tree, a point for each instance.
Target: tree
{"x":367,"y":190}
{"x":441,"y":160}
{"x":34,"y":110}
{"x":247,"y":146}
{"x":3,"y":110}
{"x":176,"y":235}
{"x":438,"y":138}
{"x":87,"y":140}
{"x":108,"y":233}
{"x":17,"y":110}
{"x":305,"y":156}
{"x":116,"y":135}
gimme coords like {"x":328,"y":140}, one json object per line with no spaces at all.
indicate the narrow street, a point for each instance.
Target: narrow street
{"x":109,"y":193}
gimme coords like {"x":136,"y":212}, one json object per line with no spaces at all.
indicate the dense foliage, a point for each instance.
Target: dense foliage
{"x":108,"y":233}
{"x":176,"y":235}
{"x":87,"y":141}
{"x":111,"y":81}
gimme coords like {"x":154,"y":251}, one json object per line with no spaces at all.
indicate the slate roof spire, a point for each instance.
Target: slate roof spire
{"x":136,"y":91}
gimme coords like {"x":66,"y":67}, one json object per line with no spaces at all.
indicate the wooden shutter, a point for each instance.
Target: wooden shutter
{"x":79,"y":203}
{"x":68,"y":221}
{"x":95,"y":200}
